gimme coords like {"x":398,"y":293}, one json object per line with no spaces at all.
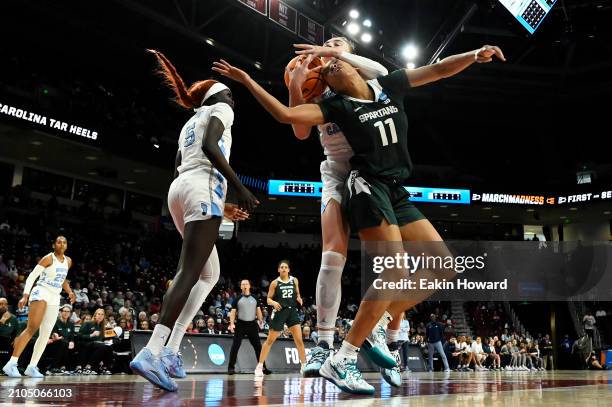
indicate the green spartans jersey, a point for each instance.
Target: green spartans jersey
{"x":286,"y":293}
{"x":376,"y":130}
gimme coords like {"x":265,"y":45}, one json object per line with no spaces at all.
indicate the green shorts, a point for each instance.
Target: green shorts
{"x":287,"y":316}
{"x":368,"y":200}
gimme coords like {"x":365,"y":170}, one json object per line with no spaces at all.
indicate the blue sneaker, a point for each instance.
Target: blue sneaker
{"x":375,"y":347}
{"x":152,"y":369}
{"x":173,"y":362}
{"x":318,"y":355}
{"x":346,"y":376}
{"x":11,"y":370}
{"x":33,"y":371}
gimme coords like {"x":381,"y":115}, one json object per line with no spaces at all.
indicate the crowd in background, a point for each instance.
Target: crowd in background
{"x":119,"y":282}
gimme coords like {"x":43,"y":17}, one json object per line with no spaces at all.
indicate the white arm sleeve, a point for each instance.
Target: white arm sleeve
{"x":369,"y":69}
{"x":31,"y":278}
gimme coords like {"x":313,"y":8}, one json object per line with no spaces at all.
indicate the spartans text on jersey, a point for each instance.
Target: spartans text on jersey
{"x":385,"y":111}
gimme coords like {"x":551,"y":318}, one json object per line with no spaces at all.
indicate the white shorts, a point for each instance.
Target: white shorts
{"x":196,"y":195}
{"x":42,"y":293}
{"x":333,"y":175}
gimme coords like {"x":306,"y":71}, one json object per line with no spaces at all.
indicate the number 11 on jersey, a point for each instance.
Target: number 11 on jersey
{"x":383,"y":132}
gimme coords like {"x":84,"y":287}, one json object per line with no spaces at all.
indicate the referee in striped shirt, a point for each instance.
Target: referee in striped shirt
{"x":243,"y":322}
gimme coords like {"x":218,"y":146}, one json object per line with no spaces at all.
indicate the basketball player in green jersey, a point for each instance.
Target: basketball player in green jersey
{"x":284,"y":297}
{"x":373,"y":117}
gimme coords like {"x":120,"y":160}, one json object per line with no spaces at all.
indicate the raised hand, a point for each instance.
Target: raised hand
{"x":486,"y":53}
{"x":229,"y":71}
{"x":299,"y":73}
{"x":318,"y":51}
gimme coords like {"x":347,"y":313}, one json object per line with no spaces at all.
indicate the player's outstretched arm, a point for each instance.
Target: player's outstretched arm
{"x":308,"y":114}
{"x":367,"y":68}
{"x":297,"y":77}
{"x":452,"y":65}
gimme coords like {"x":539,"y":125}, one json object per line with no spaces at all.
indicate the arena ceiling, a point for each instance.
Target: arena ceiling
{"x":530,"y":123}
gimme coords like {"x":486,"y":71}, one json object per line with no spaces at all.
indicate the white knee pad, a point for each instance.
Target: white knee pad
{"x":329,"y":288}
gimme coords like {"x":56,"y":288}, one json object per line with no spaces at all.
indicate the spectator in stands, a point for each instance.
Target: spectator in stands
{"x":306,"y":333}
{"x":435,"y":336}
{"x":129,"y":316}
{"x":191,"y":329}
{"x":144,"y":325}
{"x":518,"y":354}
{"x":489,"y":350}
{"x":505,"y":337}
{"x":449,"y":330}
{"x":81,"y":296}
{"x":479,"y":355}
{"x":202,"y":325}
{"x":546,"y":350}
{"x":533,"y":351}
{"x":8,"y":331}
{"x":588,"y":322}
{"x":498,"y":345}
{"x":96,"y":357}
{"x":123,"y":325}
{"x":453,"y":354}
{"x":404,"y":340}
{"x":465,"y":358}
{"x":153,"y":320}
{"x":61,"y":346}
{"x":209,"y":328}
{"x":507,"y":358}
{"x":118,"y":300}
{"x":142,"y":316}
{"x":285,"y":334}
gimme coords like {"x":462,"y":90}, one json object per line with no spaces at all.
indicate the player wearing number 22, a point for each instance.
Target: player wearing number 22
{"x":284,"y":296}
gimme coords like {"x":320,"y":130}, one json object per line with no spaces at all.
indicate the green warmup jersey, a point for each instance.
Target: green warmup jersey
{"x":376,"y":130}
{"x":286,"y":293}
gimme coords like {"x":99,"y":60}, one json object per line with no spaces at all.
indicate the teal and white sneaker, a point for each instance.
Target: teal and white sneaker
{"x":173,"y":362}
{"x":318,"y":356}
{"x":375,"y":347}
{"x":346,"y":376}
{"x":393,"y":376}
{"x":33,"y":371}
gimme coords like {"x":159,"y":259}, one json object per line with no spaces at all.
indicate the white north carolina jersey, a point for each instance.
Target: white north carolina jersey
{"x":192,"y":136}
{"x":335,"y":146}
{"x":54,"y":276}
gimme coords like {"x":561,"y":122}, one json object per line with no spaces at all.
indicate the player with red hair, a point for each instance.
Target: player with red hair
{"x":196,"y":200}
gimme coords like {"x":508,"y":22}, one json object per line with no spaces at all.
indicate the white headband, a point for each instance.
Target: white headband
{"x":216,"y":88}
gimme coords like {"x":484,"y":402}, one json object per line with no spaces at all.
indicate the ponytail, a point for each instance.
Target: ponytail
{"x":187,"y":98}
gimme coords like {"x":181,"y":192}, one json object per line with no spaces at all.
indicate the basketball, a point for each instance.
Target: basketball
{"x":314,"y":85}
